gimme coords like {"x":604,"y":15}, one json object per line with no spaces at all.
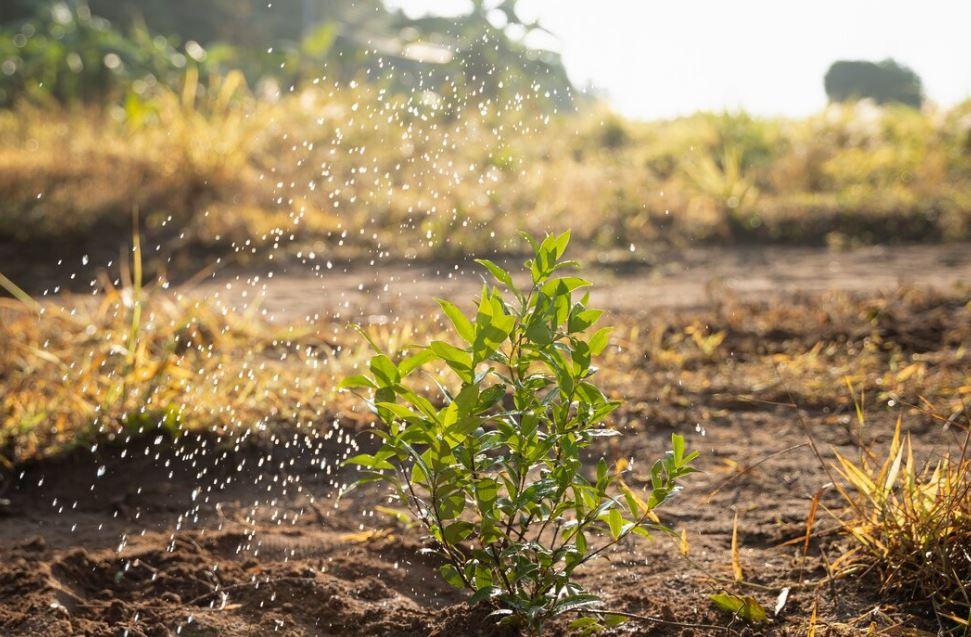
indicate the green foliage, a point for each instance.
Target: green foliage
{"x":70,"y":50}
{"x":67,"y":53}
{"x":493,"y":470}
{"x":883,"y":82}
{"x":251,"y":24}
{"x":745,"y":607}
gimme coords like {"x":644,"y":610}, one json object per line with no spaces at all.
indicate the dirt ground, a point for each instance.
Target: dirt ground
{"x":245,"y":536}
{"x":684,"y":279}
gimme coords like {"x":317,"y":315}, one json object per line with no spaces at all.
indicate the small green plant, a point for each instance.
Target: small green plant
{"x":493,"y":469}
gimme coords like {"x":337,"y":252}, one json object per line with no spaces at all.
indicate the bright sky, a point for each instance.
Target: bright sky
{"x":657,"y":58}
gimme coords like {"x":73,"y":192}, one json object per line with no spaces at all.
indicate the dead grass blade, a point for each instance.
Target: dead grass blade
{"x":811,"y":520}
{"x":736,"y":558}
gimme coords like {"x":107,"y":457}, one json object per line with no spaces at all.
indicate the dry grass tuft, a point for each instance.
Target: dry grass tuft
{"x":131,"y":362}
{"x":912,"y":525}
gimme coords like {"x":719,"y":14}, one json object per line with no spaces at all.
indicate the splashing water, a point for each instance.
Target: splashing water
{"x":213,"y":403}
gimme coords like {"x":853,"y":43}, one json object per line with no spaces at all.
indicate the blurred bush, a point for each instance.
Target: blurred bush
{"x":66,"y":53}
{"x":68,"y":50}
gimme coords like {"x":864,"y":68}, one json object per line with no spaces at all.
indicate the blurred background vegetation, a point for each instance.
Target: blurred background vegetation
{"x":351,"y":129}
{"x":73,"y":50}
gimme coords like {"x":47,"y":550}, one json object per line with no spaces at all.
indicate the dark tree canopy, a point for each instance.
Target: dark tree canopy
{"x":884,"y":82}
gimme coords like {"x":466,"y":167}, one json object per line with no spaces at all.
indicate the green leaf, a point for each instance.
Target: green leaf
{"x":500,"y":275}
{"x":598,"y":342}
{"x":457,"y":531}
{"x":448,"y":353}
{"x":745,"y":607}
{"x":530,"y":240}
{"x":484,"y":593}
{"x":467,"y":400}
{"x":486,"y":492}
{"x":385,"y":371}
{"x":369,"y":461}
{"x":581,"y":356}
{"x":601,"y":470}
{"x":451,"y":506}
{"x":535,"y":270}
{"x":583,"y":319}
{"x":561,"y":243}
{"x":462,"y":324}
{"x":539,"y":333}
{"x":612,"y":620}
{"x":602,"y":433}
{"x":482,"y":575}
{"x":616,"y":523}
{"x":573,"y":602}
{"x":555,"y":287}
{"x":459,"y":360}
{"x":357,"y":381}
{"x":581,"y":543}
{"x":412,"y":363}
{"x":492,"y":326}
{"x":398,"y":410}
{"x":677,"y":445}
{"x":603,"y":411}
{"x":400,"y":515}
{"x":586,"y":625}
{"x":451,"y":575}
{"x":420,"y":402}
{"x":491,"y":396}
{"x":418,"y":475}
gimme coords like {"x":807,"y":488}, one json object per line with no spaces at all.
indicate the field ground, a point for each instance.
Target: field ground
{"x":684,"y":279}
{"x":743,"y":352}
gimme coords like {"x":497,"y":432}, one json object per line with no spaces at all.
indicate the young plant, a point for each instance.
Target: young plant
{"x":492,"y":469}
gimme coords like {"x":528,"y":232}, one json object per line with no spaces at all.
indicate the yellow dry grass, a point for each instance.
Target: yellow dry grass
{"x":354,"y":171}
{"x":912,"y":525}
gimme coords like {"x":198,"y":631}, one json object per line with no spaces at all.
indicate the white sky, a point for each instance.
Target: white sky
{"x":657,"y":58}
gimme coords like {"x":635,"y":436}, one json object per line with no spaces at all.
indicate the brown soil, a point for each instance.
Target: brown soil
{"x":685,"y":279}
{"x":245,"y":537}
{"x":170,"y":539}
{"x":133,"y":550}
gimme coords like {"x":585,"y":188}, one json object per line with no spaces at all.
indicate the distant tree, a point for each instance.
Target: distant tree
{"x":884,"y":82}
